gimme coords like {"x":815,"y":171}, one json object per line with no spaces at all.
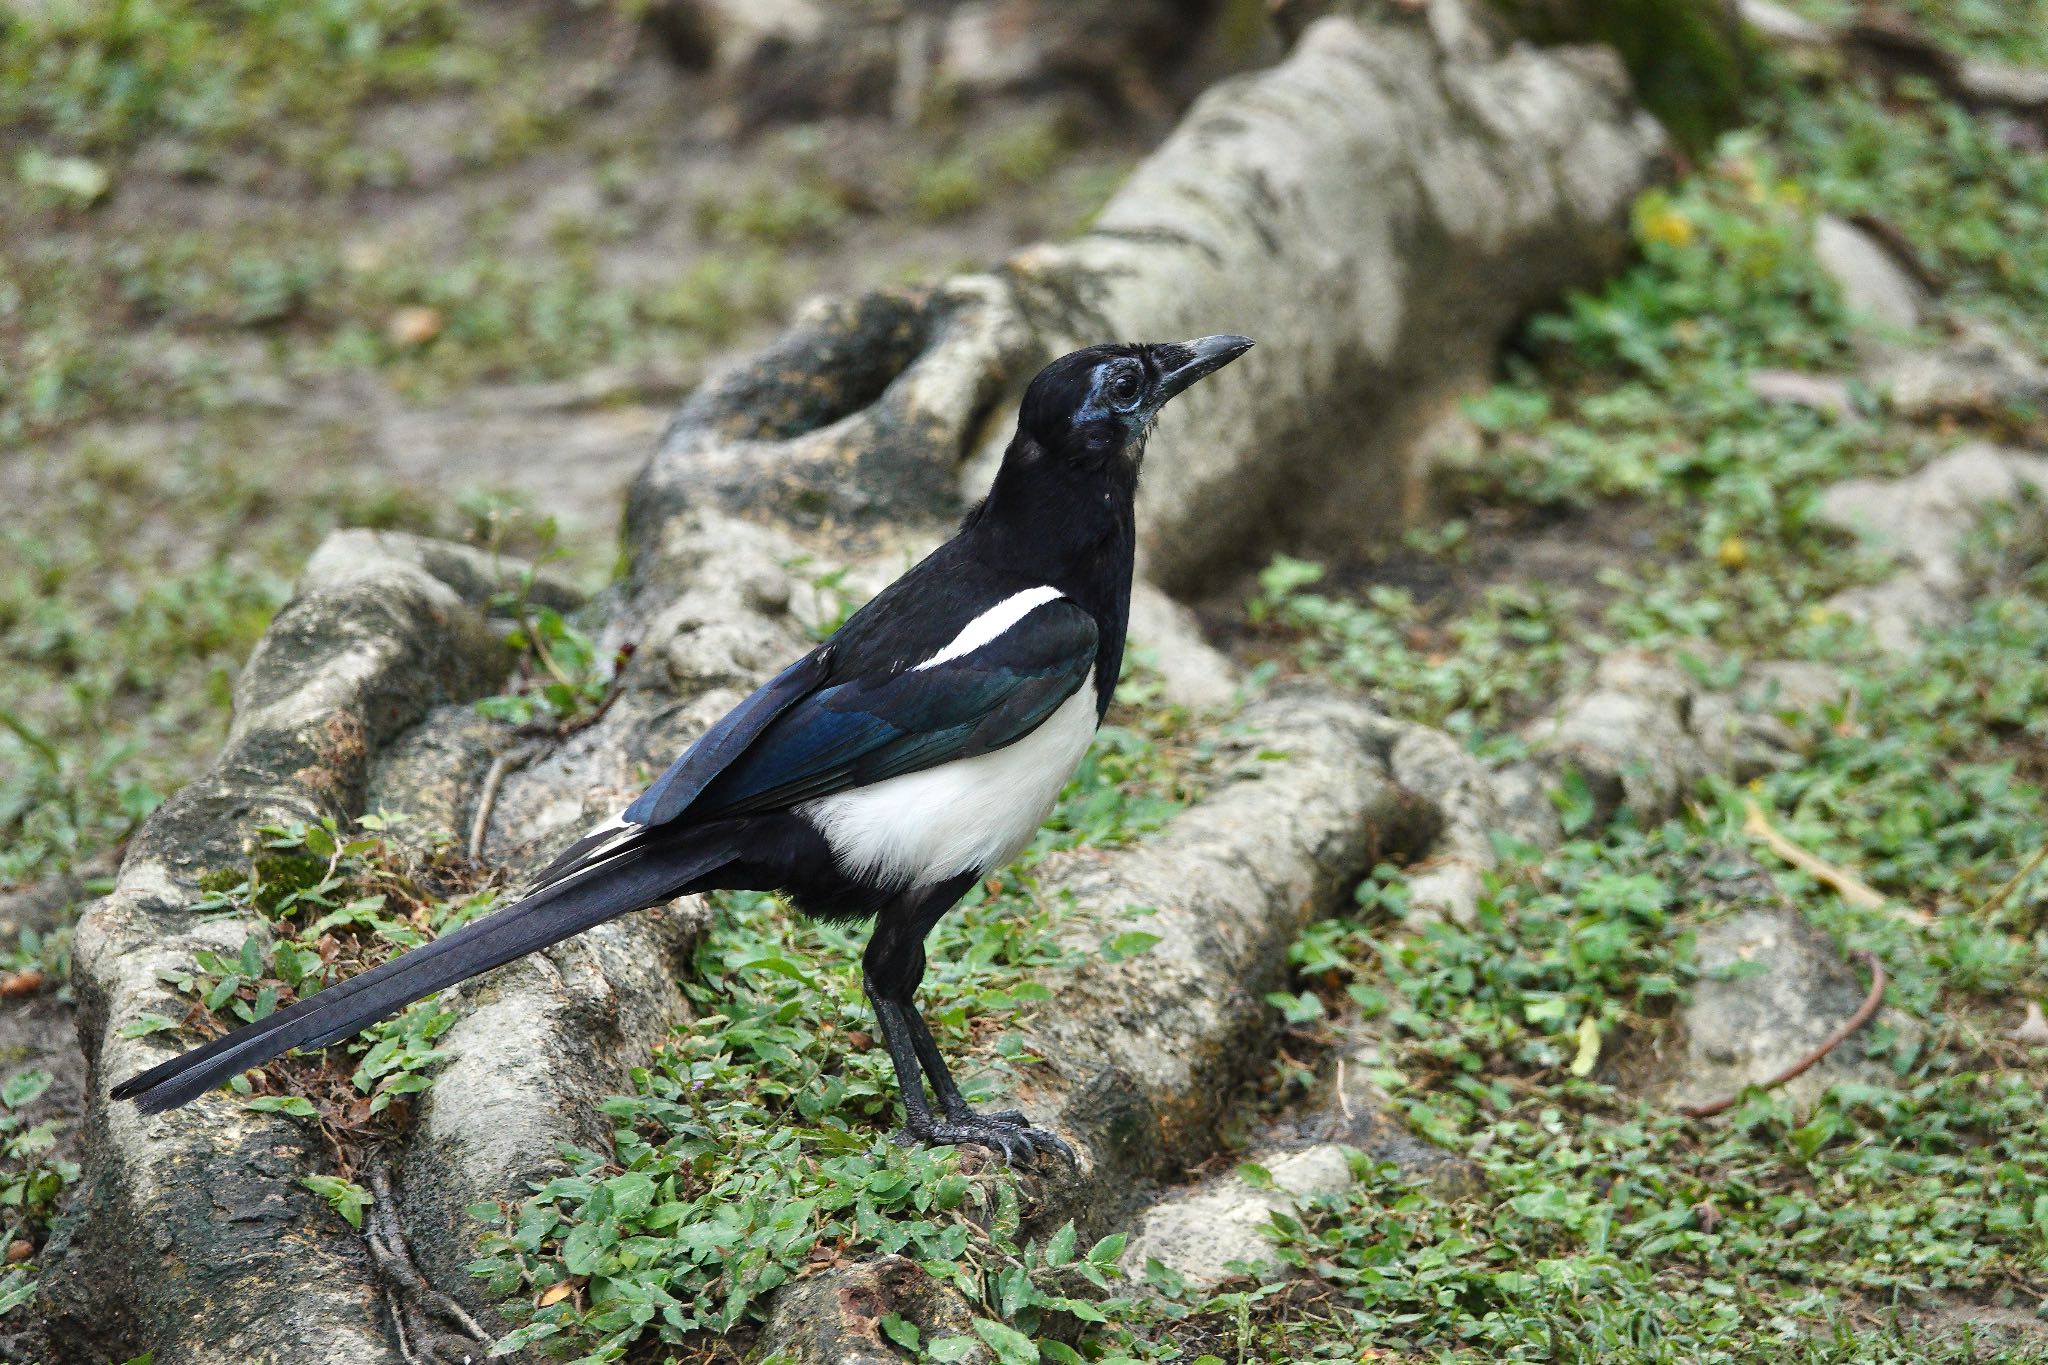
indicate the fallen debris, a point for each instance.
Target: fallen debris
{"x":1845,"y":884}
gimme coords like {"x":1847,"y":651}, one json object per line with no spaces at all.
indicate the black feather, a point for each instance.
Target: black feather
{"x":639,"y":878}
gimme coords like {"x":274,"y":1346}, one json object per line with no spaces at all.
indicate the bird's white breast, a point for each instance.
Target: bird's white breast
{"x":970,"y":815}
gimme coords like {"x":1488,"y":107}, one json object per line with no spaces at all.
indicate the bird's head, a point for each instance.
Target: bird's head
{"x":1095,"y":407}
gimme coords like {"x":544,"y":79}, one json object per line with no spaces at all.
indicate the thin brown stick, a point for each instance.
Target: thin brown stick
{"x":567,"y":728}
{"x":386,"y":1239}
{"x":487,"y":799}
{"x":1829,"y":1044}
{"x":1998,"y":897}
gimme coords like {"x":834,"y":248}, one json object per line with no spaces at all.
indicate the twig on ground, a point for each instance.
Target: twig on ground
{"x":2003,"y":893}
{"x":1828,"y":1044}
{"x":487,"y":799}
{"x":538,"y":730}
{"x":1845,"y":884}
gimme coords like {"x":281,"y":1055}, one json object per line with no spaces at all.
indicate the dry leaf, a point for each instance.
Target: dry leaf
{"x":25,"y":982}
{"x":1589,"y":1047}
{"x":555,"y":1293}
{"x":413,"y":326}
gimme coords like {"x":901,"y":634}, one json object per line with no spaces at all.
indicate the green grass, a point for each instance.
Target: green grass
{"x":123,"y":642}
{"x":274,"y":80}
{"x":1592,"y":1224}
{"x":1610,"y":1229}
{"x":336,"y":902}
{"x":2007,"y":30}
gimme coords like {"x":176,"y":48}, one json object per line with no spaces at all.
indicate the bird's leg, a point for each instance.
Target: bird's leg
{"x":951,"y":1102}
{"x":903,"y":1055}
{"x":894,"y":965}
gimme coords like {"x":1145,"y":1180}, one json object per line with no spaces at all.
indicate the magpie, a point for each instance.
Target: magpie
{"x":881,"y":775}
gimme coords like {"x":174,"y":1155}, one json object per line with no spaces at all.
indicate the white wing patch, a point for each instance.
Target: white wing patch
{"x":970,"y":815}
{"x":601,"y":842}
{"x":619,"y":827}
{"x":992,"y":623}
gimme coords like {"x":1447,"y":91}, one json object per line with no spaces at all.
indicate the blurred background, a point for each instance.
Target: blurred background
{"x":267,"y":269}
{"x":272,"y":267}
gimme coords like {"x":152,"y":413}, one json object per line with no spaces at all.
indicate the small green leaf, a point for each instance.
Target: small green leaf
{"x":298,"y":1106}
{"x":1298,"y":1009}
{"x":1130,"y":943}
{"x":345,"y":1196}
{"x":1060,"y":1249}
{"x":1011,"y":1346}
{"x":75,"y":177}
{"x":900,"y":1330}
{"x":1574,"y":801}
{"x":23,"y":1087}
{"x":523,"y":1337}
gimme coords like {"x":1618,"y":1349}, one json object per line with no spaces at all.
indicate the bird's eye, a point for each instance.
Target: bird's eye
{"x":1124,"y":388}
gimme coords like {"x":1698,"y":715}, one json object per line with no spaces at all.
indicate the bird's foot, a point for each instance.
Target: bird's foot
{"x":1006,"y":1132}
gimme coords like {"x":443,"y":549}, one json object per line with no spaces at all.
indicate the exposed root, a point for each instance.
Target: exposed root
{"x":414,"y":1304}
{"x":1829,"y":1044}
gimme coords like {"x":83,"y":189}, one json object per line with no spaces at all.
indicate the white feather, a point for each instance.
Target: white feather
{"x":626,"y":830}
{"x":970,"y":815}
{"x":992,"y":623}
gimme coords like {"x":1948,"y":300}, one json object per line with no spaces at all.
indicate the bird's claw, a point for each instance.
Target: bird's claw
{"x":1006,"y":1132}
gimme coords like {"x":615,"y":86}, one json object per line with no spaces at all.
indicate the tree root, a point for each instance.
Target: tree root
{"x":413,"y":1303}
{"x":1829,"y":1044}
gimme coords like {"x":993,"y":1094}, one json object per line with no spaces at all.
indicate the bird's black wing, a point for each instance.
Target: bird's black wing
{"x":866,"y":729}
{"x":680,"y":784}
{"x":795,"y":739}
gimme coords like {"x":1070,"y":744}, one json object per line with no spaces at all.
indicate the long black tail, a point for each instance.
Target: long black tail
{"x":631,"y":881}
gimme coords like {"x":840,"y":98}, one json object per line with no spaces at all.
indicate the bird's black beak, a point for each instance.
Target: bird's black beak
{"x":1182,"y":363}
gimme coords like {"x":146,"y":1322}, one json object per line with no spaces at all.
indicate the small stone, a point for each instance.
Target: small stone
{"x":1192,"y":672}
{"x":1780,"y":26}
{"x":991,"y":46}
{"x":1980,"y":374}
{"x":1791,"y":686}
{"x":19,"y":1250}
{"x":1896,"y":612}
{"x":1873,"y":284}
{"x":2003,"y":83}
{"x":1745,"y":1025}
{"x":1827,"y":393}
{"x":1925,"y":516}
{"x":1198,"y":1233}
{"x":2032,"y":1030}
{"x":413,"y":326}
